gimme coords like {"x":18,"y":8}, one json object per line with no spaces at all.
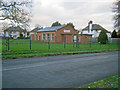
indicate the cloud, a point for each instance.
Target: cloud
{"x":45,"y":12}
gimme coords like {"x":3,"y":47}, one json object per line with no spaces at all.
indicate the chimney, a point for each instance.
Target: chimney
{"x":90,"y":27}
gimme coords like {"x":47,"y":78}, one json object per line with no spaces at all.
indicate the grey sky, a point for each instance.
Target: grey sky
{"x":45,"y":12}
{"x":79,"y":12}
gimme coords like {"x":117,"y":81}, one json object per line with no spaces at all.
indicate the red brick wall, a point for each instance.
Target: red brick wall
{"x":68,"y":38}
{"x":60,"y":38}
{"x":39,"y":36}
{"x":85,"y":39}
{"x":32,"y":36}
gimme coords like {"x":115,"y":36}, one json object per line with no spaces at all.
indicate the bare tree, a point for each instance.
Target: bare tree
{"x":38,"y":25}
{"x":16,"y":11}
{"x":116,"y":9}
{"x":5,"y":26}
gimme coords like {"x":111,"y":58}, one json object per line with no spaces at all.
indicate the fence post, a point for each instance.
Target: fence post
{"x":64,"y":44}
{"x":30,"y":44}
{"x":48,"y":44}
{"x":78,"y":44}
{"x":8,"y":45}
{"x":90,"y":43}
{"x":73,"y":43}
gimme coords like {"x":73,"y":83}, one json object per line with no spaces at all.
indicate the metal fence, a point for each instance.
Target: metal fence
{"x":16,"y":45}
{"x":115,"y":40}
{"x":27,"y":47}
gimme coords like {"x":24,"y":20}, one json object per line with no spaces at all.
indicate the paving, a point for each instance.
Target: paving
{"x":62,"y":71}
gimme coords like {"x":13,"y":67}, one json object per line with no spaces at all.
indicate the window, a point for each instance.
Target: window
{"x":43,"y":36}
{"x":79,"y":39}
{"x":52,"y":36}
{"x":74,"y":38}
{"x":66,"y":30}
{"x":6,"y":34}
{"x":47,"y":36}
{"x":35,"y":35}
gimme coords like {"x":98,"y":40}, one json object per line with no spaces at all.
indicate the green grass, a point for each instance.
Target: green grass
{"x":110,"y":82}
{"x":21,"y":48}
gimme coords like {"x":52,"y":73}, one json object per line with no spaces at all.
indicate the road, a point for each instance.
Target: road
{"x":63,"y":71}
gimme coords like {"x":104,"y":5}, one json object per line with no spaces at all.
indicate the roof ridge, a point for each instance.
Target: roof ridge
{"x":95,"y":26}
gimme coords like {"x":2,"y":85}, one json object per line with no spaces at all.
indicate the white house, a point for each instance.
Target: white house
{"x":95,"y":30}
{"x":1,"y":34}
{"x":1,"y":31}
{"x":15,"y":32}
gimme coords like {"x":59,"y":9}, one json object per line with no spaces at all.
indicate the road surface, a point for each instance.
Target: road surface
{"x":63,"y":71}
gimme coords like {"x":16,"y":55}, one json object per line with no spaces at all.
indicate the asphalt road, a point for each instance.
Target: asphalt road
{"x":63,"y":71}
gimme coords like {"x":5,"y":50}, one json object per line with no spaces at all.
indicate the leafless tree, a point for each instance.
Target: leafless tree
{"x":116,"y":9}
{"x":17,"y":12}
{"x":4,"y":26}
{"x":38,"y":25}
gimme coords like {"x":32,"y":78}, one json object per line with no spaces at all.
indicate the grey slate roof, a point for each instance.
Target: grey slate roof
{"x":54,"y":28}
{"x":95,"y":27}
{"x":14,"y":29}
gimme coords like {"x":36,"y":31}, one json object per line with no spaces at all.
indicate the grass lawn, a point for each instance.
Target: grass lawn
{"x":110,"y":82}
{"x":21,"y":48}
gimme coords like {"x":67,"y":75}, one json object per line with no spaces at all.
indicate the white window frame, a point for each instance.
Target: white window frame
{"x":52,"y":36}
{"x":68,"y":31}
{"x":43,"y":37}
{"x":74,"y":37}
{"x":47,"y":36}
{"x":79,"y":39}
{"x":6,"y":34}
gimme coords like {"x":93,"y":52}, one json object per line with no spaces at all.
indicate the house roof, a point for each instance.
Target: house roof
{"x":14,"y":29}
{"x":54,"y":28}
{"x":95,"y":27}
{"x":36,"y":29}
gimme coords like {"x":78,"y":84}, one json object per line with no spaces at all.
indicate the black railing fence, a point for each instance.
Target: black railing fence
{"x":28,"y":44}
{"x":18,"y":47}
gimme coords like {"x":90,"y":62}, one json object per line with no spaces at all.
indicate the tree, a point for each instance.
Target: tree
{"x":103,"y":38}
{"x":118,"y":36}
{"x":16,"y":12}
{"x":71,"y":25}
{"x":4,"y":26}
{"x":37,"y":28}
{"x":116,"y":9}
{"x":38,"y":25}
{"x":114,"y":34}
{"x":56,"y":24}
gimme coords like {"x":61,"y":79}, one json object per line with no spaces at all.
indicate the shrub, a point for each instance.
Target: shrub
{"x":103,"y":38}
{"x":118,"y":36}
{"x":114,"y":34}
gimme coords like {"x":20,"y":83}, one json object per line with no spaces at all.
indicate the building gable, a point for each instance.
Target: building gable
{"x":96,"y":27}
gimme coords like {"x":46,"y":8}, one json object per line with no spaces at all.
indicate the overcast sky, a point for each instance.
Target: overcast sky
{"x":79,"y":12}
